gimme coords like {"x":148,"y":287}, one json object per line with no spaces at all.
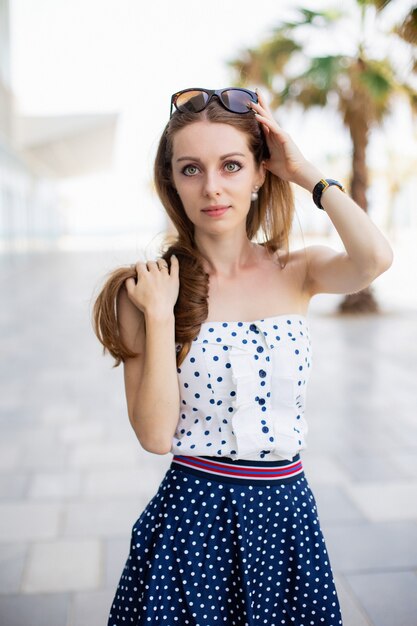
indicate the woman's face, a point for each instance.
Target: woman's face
{"x":214,"y":173}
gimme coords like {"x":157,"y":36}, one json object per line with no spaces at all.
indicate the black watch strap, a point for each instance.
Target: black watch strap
{"x":321,"y":186}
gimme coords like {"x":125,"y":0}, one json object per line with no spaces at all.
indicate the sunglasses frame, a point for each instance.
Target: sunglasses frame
{"x":211,"y":93}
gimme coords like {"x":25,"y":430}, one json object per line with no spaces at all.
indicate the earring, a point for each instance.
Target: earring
{"x":254,"y":195}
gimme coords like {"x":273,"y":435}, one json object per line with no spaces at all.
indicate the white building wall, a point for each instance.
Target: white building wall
{"x":29,"y":208}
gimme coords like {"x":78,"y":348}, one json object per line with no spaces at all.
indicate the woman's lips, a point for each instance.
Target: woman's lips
{"x":215,"y":210}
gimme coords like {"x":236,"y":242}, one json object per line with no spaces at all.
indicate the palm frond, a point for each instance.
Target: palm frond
{"x":312,"y":87}
{"x":378,"y":4}
{"x":408,"y":29}
{"x":372,"y":87}
{"x":307,"y":17}
{"x":361,"y":86}
{"x":324,"y":71}
{"x":378,"y":78}
{"x":411,"y":94}
{"x":314,"y":17}
{"x":259,"y":66}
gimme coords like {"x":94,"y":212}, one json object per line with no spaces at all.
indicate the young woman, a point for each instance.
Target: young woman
{"x":216,"y":350}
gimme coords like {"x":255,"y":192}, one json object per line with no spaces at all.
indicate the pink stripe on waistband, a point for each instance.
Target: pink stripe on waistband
{"x":253,"y":472}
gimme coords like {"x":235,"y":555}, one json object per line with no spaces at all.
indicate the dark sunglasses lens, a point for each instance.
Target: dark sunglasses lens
{"x":237,"y":100}
{"x":191,"y":101}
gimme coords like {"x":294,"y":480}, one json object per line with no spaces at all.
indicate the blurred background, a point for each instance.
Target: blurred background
{"x":84,"y":95}
{"x":85,"y":90}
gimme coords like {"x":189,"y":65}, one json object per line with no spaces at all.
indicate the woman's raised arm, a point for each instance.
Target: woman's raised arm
{"x":367,"y":252}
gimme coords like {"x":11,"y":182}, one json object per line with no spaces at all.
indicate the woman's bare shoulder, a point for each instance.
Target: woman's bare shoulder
{"x":131,"y":323}
{"x":294,"y":264}
{"x":294,"y":260}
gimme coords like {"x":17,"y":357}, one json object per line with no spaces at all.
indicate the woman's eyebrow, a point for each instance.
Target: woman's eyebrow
{"x":224,"y":156}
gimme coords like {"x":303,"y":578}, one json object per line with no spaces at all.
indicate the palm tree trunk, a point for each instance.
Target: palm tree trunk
{"x":363,"y":301}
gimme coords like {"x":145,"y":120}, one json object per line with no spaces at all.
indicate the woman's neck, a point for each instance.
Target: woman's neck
{"x":227,"y":257}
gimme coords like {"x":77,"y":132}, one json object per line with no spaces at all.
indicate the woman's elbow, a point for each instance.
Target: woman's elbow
{"x":154,"y":444}
{"x":384,"y":261}
{"x":374,"y":269}
{"x":156,"y":447}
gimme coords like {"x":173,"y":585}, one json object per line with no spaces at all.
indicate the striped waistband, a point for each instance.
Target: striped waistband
{"x":249,"y":472}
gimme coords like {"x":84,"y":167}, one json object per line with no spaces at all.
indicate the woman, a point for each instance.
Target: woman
{"x":216,"y":351}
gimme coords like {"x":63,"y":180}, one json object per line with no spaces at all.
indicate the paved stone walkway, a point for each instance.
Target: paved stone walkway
{"x":73,"y":479}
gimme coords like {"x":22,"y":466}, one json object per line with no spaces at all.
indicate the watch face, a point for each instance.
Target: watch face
{"x":323,"y":184}
{"x":317,"y":191}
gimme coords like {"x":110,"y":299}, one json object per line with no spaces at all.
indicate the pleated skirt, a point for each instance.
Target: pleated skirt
{"x":236,"y":543}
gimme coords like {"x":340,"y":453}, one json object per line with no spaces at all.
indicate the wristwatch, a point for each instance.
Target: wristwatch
{"x":321,"y":187}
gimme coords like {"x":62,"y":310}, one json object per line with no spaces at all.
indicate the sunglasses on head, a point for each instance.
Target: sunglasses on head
{"x":233,"y":99}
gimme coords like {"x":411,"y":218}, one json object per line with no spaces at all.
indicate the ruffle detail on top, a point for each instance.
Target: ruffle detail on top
{"x":243,"y":390}
{"x":272,"y":424}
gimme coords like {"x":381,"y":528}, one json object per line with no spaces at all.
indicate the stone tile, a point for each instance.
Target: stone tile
{"x":323,"y":469}
{"x":59,"y":484}
{"x":28,"y":522}
{"x":335,"y":505}
{"x":407,"y":433}
{"x":381,"y":439}
{"x":102,"y":518}
{"x":13,"y":486}
{"x":116,"y":552}
{"x":44,"y":456}
{"x":12,"y":560}
{"x":389,"y":598}
{"x":82,"y":431}
{"x":35,"y":610}
{"x":407,"y":462}
{"x":114,"y":483}
{"x":386,"y":501}
{"x":361,"y":547}
{"x":10,"y":385}
{"x":9,"y":457}
{"x":103,"y":455}
{"x":25,"y":415}
{"x":91,"y":608}
{"x":353,"y":613}
{"x":9,"y":401}
{"x":65,"y":565}
{"x":323,"y":437}
{"x":371,"y":467}
{"x":33,"y":435}
{"x":58,"y":414}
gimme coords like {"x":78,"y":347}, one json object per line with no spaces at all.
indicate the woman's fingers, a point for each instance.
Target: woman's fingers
{"x":268,"y":122}
{"x":130,"y":284}
{"x":156,"y":287}
{"x":152,"y":266}
{"x":141,"y":268}
{"x":175,"y":266}
{"x":262,"y":101}
{"x":265,"y":116}
{"x":160,"y":265}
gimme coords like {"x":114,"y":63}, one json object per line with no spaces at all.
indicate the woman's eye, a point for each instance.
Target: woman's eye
{"x":190,"y":170}
{"x":232,"y":166}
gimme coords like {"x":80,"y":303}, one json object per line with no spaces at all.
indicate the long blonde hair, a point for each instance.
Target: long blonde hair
{"x":269,"y":221}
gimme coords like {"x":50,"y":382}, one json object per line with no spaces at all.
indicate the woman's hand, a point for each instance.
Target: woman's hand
{"x":286,"y":160}
{"x":156,"y":290}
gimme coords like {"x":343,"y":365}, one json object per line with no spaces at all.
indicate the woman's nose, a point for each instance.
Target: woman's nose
{"x":212,"y":184}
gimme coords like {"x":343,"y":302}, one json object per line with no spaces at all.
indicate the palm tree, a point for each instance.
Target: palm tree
{"x":361,"y":87}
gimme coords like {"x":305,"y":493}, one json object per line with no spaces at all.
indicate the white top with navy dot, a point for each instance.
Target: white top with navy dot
{"x":243,"y":387}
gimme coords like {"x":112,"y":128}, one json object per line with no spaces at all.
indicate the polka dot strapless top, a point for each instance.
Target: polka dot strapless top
{"x":243,"y":387}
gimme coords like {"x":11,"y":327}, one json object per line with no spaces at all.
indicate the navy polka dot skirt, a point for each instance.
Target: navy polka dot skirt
{"x":228,"y":542}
